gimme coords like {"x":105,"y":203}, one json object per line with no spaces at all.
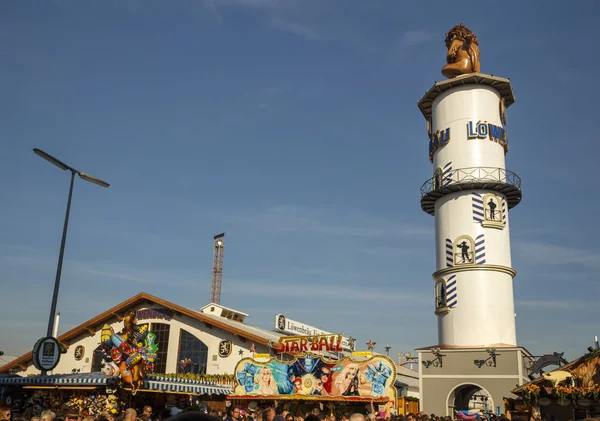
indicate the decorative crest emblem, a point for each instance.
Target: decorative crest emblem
{"x":225,"y":348}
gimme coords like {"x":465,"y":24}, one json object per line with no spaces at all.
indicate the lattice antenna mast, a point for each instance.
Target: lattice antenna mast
{"x":217,"y":275}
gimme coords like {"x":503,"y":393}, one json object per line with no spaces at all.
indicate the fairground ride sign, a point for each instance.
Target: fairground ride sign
{"x":303,"y":344}
{"x":292,"y":327}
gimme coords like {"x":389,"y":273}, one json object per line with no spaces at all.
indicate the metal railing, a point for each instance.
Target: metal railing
{"x":471,"y":175}
{"x":493,"y":215}
{"x":460,"y":257}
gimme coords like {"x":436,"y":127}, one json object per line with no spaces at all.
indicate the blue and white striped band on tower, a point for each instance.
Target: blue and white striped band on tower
{"x":451,"y":294}
{"x":504,"y":211}
{"x":480,"y":250}
{"x":449,"y":254}
{"x":446,"y":176}
{"x":478,"y":210}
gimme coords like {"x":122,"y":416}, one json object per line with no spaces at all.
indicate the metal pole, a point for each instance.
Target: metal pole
{"x":60,"y":260}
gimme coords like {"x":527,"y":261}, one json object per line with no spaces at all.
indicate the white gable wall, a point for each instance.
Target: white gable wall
{"x":210,"y":336}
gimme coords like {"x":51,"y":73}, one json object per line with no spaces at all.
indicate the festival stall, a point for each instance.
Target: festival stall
{"x":94,"y":393}
{"x":571,"y":391}
{"x":309,"y":380}
{"x":127,"y":379}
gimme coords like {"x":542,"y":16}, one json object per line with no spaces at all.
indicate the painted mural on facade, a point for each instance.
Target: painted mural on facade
{"x":310,"y":374}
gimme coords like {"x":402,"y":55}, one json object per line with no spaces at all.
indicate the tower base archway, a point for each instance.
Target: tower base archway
{"x":469,"y":396}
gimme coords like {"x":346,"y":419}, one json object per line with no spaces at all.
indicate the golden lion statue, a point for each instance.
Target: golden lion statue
{"x":463,"y":52}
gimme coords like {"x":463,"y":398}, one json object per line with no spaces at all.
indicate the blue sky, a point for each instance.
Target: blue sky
{"x":291,"y":125}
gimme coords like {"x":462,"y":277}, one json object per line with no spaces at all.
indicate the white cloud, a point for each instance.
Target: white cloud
{"x":289,"y":218}
{"x":211,"y":6}
{"x":535,"y":253}
{"x":418,"y":37}
{"x":337,"y":291}
{"x":257,"y":4}
{"x":556,"y":304}
{"x":106,"y":270}
{"x":296,"y":29}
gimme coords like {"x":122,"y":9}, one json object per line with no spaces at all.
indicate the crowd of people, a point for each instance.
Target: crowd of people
{"x":236,"y":413}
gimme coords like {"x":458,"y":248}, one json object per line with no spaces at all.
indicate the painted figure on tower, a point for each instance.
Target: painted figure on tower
{"x":463,"y":52}
{"x":464,"y":250}
{"x":492,"y":205}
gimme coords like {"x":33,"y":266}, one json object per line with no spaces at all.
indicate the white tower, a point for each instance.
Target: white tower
{"x":470,"y":195}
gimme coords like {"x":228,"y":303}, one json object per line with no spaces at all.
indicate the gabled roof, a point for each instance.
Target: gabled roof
{"x":256,"y":335}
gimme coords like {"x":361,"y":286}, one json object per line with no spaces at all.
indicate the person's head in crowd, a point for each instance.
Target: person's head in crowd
{"x":193,"y":416}
{"x":357,"y":417}
{"x":268,"y":414}
{"x":47,"y":416}
{"x":130,"y":414}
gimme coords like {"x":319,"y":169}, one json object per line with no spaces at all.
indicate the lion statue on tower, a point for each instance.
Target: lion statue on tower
{"x":463,"y":52}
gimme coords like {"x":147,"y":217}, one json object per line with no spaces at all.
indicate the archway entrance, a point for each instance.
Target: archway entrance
{"x":469,"y":396}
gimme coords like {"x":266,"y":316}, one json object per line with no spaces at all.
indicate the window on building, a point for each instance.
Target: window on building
{"x":440,"y":294}
{"x":161,"y":330}
{"x":464,"y":250}
{"x":97,"y":358}
{"x":193,"y":354}
{"x":437,"y":178}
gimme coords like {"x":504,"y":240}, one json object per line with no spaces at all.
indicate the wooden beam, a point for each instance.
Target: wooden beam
{"x":208,"y":325}
{"x":241,"y":338}
{"x":91,"y":330}
{"x":118,"y":316}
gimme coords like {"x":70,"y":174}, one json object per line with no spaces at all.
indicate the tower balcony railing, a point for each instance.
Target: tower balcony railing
{"x":476,"y":178}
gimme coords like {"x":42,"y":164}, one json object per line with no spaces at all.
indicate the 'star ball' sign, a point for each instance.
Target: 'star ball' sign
{"x":46,"y":353}
{"x":303,"y":344}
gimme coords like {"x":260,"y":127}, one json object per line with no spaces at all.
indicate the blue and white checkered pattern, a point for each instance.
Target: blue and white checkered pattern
{"x":185,"y":386}
{"x":100,"y":379}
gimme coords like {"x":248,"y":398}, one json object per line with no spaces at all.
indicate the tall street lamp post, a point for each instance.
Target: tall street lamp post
{"x":85,"y":177}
